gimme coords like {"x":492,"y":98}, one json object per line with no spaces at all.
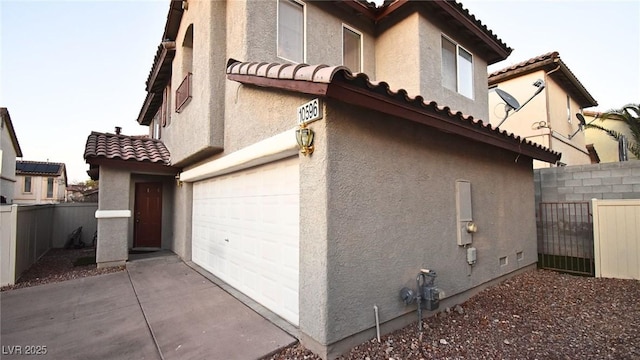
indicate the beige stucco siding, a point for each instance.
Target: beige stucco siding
{"x":605,"y":145}
{"x":8,"y":166}
{"x":390,"y":211}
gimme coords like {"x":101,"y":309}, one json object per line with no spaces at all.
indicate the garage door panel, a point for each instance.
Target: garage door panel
{"x":257,"y":210}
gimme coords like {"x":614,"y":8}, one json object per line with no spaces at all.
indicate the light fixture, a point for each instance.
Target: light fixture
{"x":304,"y":137}
{"x":178,"y":181}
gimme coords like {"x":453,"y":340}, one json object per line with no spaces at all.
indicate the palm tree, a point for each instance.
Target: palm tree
{"x":630,"y":115}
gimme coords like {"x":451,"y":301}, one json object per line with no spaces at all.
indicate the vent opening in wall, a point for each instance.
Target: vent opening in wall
{"x":504,"y":261}
{"x":519,"y":256}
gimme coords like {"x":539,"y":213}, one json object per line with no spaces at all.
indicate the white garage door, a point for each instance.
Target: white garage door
{"x":246,"y":232}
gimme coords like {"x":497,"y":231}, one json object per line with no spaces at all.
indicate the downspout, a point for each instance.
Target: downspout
{"x":546,"y":80}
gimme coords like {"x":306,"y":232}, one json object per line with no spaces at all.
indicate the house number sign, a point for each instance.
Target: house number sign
{"x":310,"y":112}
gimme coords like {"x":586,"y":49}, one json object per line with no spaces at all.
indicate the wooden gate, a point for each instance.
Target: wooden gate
{"x":565,"y":237}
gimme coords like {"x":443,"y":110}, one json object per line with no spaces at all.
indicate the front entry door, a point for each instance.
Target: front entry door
{"x":147,"y":228}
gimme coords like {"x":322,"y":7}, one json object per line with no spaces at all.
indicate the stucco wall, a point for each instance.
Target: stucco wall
{"x":198,"y":127}
{"x":8,"y":166}
{"x":390,"y":211}
{"x":398,"y":55}
{"x":549,"y":106}
{"x":605,"y":145}
{"x":113,"y":233}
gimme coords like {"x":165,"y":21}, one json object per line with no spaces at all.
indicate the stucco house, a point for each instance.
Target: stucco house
{"x":605,"y":146}
{"x":549,"y":118}
{"x":392,"y":181}
{"x":40,"y":182}
{"x":9,"y":150}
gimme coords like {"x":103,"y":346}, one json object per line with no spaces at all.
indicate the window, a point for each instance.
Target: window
{"x":351,"y":49}
{"x":457,"y":68}
{"x":50,"y":187}
{"x":291,"y":30}
{"x":27,"y":184}
{"x":568,"y":109}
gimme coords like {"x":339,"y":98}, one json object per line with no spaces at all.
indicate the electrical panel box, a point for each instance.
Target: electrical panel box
{"x":464,"y":215}
{"x":472,"y":256}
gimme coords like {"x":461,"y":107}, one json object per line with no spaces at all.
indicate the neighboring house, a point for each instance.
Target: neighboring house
{"x":549,"y":118}
{"x":40,"y":182}
{"x":9,"y":150}
{"x":605,"y":146}
{"x":390,"y":188}
{"x":82,"y":193}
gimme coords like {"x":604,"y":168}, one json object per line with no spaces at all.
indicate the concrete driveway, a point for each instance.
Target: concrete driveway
{"x":157,"y":309}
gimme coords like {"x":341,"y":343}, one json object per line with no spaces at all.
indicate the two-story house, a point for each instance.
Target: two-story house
{"x":40,"y":182}
{"x":548,"y":118}
{"x":9,"y":150}
{"x":397,"y":173}
{"x":607,"y":148}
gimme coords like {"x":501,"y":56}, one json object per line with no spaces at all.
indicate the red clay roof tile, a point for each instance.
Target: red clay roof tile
{"x":135,"y":148}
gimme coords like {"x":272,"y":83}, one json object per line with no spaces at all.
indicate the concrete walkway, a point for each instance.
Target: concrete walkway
{"x":157,"y":309}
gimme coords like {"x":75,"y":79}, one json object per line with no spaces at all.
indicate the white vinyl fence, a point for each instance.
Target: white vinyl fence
{"x":616,"y":230}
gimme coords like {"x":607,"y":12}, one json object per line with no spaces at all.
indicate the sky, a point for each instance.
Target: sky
{"x":71,"y":67}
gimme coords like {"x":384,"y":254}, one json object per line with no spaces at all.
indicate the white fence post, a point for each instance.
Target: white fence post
{"x":9,"y":225}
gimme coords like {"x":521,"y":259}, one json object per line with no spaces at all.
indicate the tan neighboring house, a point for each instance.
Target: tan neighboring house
{"x":549,"y":119}
{"x":401,"y":176}
{"x":9,"y":150}
{"x":604,"y":145}
{"x":40,"y":182}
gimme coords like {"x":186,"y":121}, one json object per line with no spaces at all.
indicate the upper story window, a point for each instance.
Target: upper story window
{"x":291,"y":30}
{"x":27,"y":184}
{"x":568,"y":109}
{"x":457,"y":68}
{"x":49,"y":187}
{"x":351,"y":49}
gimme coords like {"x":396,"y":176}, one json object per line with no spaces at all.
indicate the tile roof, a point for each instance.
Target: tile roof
{"x":339,"y":83}
{"x":41,"y":168}
{"x":549,"y":62}
{"x":128,"y":148}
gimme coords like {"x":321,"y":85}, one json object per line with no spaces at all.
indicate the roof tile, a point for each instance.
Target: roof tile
{"x":136,"y":148}
{"x":328,"y":75}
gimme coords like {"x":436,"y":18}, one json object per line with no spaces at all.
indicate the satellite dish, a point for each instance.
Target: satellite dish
{"x":510,"y":101}
{"x":583,"y":122}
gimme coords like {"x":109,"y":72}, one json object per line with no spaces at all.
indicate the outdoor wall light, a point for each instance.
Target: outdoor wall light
{"x":304,"y":137}
{"x":178,"y":181}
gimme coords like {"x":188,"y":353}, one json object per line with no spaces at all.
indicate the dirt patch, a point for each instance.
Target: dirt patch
{"x":536,"y":315}
{"x":58,"y":265}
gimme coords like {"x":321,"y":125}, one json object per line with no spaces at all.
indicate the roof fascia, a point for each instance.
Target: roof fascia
{"x":134,"y":166}
{"x":306,"y":87}
{"x":148,"y":107}
{"x":357,"y":96}
{"x":166,"y":56}
{"x":452,"y":10}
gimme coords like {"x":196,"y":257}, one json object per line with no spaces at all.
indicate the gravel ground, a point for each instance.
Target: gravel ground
{"x":57,"y":265}
{"x":536,"y":315}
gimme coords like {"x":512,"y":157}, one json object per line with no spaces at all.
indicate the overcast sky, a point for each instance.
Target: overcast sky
{"x":72,"y":67}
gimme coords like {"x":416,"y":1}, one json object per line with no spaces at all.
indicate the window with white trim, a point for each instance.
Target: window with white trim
{"x":27,"y":184}
{"x":49,"y":187}
{"x":569,"y":109}
{"x":351,"y":49}
{"x":291,"y":30}
{"x":457,"y":68}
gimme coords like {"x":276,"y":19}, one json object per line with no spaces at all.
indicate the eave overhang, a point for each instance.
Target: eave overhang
{"x":338,"y":83}
{"x":557,"y":69}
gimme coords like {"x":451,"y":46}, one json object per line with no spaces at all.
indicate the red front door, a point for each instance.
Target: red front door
{"x":147,"y":229}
